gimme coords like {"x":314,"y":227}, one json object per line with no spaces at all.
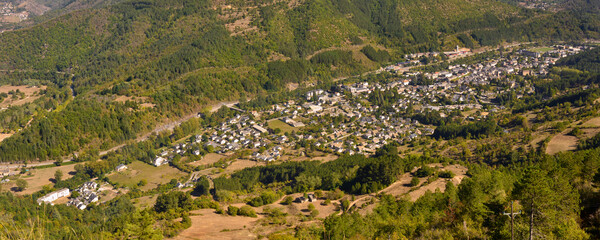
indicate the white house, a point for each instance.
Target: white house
{"x":121,"y":167}
{"x":160,"y":161}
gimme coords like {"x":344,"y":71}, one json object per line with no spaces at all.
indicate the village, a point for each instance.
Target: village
{"x":349,"y":118}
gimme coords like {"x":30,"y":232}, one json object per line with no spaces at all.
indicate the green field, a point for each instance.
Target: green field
{"x":154,"y":175}
{"x":541,"y":49}
{"x":281,"y":125}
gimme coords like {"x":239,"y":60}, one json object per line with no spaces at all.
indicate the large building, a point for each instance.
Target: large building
{"x":51,"y":197}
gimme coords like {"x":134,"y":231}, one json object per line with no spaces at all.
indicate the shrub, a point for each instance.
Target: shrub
{"x":446,"y":174}
{"x":287,"y":200}
{"x":232,"y":210}
{"x":247,"y":211}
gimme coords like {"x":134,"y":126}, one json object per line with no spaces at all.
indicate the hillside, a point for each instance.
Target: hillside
{"x":178,"y":56}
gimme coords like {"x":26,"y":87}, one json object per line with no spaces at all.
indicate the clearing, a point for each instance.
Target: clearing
{"x":284,"y":127}
{"x":4,"y":136}
{"x":594,"y":122}
{"x":137,"y":171}
{"x":208,"y":159}
{"x":562,"y":142}
{"x":37,"y":178}
{"x":29,"y":95}
{"x":143,"y":101}
{"x":206,"y":224}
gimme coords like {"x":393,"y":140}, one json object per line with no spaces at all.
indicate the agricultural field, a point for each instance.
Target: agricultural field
{"x":137,"y":171}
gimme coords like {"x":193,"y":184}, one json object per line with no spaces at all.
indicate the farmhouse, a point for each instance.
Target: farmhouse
{"x":121,"y":167}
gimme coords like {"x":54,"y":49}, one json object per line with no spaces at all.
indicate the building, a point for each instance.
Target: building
{"x":51,"y":197}
{"x":121,"y":167}
{"x":259,"y":128}
{"x":159,"y":161}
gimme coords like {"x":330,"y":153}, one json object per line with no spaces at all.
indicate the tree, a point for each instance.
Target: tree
{"x":21,"y":184}
{"x":142,"y":182}
{"x":414,"y":181}
{"x":550,"y":202}
{"x":58,"y":175}
{"x":202,"y":187}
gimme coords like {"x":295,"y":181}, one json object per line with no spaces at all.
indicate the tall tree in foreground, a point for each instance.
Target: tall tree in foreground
{"x":550,"y":205}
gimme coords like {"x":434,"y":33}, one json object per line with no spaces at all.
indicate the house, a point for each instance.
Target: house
{"x":121,"y":167}
{"x":159,"y":161}
{"x":51,"y":197}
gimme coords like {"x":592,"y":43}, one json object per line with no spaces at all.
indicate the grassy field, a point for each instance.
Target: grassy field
{"x":281,"y":125}
{"x":541,"y":49}
{"x":154,"y":175}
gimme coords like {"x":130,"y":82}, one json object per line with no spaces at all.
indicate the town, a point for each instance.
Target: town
{"x":357,"y":116}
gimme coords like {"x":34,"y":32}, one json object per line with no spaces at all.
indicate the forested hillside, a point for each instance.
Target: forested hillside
{"x":180,"y":55}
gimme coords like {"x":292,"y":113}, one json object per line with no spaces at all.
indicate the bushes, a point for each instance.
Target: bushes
{"x":232,"y":210}
{"x":247,"y":211}
{"x":446,"y":174}
{"x":287,"y":200}
{"x":424,"y":171}
{"x":265,"y":198}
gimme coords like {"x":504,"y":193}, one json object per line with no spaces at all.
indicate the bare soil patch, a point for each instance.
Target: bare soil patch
{"x":30,"y":95}
{"x":4,"y":136}
{"x":562,"y":142}
{"x":594,"y":122}
{"x":209,"y":225}
{"x":401,"y":186}
{"x":590,"y":132}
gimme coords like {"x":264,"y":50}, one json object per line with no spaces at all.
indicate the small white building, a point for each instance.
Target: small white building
{"x":159,"y":161}
{"x":121,"y":167}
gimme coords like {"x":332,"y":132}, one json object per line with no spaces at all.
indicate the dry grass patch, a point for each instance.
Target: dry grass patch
{"x":208,"y":159}
{"x":37,"y":178}
{"x":594,"y":122}
{"x":4,"y":136}
{"x":562,"y":142}
{"x":154,"y":175}
{"x":206,"y":224}
{"x":30,"y":95}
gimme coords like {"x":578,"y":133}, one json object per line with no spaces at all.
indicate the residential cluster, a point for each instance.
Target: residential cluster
{"x":87,"y":194}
